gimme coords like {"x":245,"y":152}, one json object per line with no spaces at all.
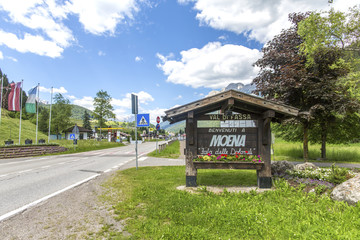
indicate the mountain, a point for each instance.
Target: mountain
{"x":77,"y":112}
{"x":248,"y":88}
{"x":174,"y":128}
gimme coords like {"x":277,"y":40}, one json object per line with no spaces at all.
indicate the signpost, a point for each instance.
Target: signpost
{"x":157,"y":129}
{"x":134,"y":108}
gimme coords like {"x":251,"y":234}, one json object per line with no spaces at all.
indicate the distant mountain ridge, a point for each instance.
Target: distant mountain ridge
{"x":77,"y":112}
{"x":248,"y":88}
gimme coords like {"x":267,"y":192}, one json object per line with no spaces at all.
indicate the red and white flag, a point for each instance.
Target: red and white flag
{"x":14,"y":97}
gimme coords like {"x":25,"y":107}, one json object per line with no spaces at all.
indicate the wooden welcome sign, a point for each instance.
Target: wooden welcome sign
{"x":241,"y":128}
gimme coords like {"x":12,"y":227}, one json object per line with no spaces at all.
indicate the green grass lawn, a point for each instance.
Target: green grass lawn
{"x":9,"y":128}
{"x":86,"y":145}
{"x":293,"y":151}
{"x":151,"y":207}
{"x":171,"y":151}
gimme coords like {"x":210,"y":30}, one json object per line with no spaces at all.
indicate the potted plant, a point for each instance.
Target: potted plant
{"x":28,"y":141}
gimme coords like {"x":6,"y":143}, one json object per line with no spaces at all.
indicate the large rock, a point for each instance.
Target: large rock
{"x":348,"y":191}
{"x":304,"y":166}
{"x":280,"y":167}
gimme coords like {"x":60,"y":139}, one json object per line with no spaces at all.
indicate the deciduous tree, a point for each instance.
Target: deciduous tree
{"x":103,"y":108}
{"x":61,"y":113}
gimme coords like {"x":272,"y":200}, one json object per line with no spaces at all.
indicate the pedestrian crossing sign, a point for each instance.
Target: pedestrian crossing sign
{"x":143,"y":120}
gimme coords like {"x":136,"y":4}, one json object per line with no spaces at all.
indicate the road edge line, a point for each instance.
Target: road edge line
{"x":23,"y":208}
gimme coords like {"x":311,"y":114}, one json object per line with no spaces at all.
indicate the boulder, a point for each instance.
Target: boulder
{"x":279,"y":168}
{"x":304,"y":166}
{"x":348,"y":191}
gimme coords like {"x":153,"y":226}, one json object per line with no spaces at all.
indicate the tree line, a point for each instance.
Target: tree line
{"x":314,"y":66}
{"x":60,"y":110}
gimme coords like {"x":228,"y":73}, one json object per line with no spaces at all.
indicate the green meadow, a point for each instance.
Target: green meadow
{"x":293,"y":151}
{"x":150,"y":206}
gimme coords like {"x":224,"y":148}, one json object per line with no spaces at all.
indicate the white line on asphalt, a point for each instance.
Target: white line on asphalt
{"x":23,"y":208}
{"x":47,"y":166}
{"x":142,"y":159}
{"x":28,"y":170}
{"x":4,"y":175}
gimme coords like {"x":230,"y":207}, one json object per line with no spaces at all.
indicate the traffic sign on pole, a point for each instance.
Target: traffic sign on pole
{"x":157,"y":127}
{"x":143,"y":120}
{"x":158,"y":119}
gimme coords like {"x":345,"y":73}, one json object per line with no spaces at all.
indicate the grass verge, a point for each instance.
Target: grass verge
{"x":85,"y":145}
{"x":293,"y":151}
{"x":148,"y":202}
{"x":171,"y":151}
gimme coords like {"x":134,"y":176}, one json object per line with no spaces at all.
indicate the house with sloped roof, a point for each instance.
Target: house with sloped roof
{"x":80,"y":132}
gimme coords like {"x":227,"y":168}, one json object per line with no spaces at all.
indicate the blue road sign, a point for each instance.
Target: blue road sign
{"x":157,"y":127}
{"x":143,"y":120}
{"x":72,"y":135}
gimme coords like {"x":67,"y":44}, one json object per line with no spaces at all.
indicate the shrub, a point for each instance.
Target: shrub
{"x":334,"y":174}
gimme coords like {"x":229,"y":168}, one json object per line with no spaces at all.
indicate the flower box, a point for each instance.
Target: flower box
{"x":227,"y":165}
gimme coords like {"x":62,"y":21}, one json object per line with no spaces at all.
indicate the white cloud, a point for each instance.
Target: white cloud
{"x":45,"y":15}
{"x":122,"y":106}
{"x":30,"y":43}
{"x":45,"y":31}
{"x":213,"y":66}
{"x":138,"y":59}
{"x":1,"y":55}
{"x":178,"y":97}
{"x":12,"y":59}
{"x":101,"y":16}
{"x":61,"y":90}
{"x":86,"y":102}
{"x":261,"y":19}
{"x":101,"y":53}
{"x":156,"y":112}
{"x":71,"y":97}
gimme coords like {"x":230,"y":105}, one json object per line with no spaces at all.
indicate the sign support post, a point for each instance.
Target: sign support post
{"x":134,"y":108}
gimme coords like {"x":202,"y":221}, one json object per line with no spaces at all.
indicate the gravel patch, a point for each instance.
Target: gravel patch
{"x":75,"y":214}
{"x":219,"y":190}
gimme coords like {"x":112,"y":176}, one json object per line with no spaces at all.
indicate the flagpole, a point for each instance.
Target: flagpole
{"x":50,"y":114}
{"x":1,"y":100}
{"x":21,"y":92}
{"x":37,"y":112}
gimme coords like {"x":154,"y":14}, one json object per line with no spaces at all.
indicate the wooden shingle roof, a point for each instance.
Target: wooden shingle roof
{"x":239,"y":101}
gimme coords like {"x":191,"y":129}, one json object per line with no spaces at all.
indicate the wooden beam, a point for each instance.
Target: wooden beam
{"x":243,"y":98}
{"x":269,"y":114}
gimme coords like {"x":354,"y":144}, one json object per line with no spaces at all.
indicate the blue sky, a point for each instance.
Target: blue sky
{"x":168,"y":52}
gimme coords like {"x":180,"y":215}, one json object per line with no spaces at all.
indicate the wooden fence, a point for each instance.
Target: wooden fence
{"x":27,"y":151}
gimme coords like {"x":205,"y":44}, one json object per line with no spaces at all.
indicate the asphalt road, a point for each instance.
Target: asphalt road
{"x":25,"y":182}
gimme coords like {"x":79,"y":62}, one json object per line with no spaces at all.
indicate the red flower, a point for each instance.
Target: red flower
{"x":246,"y":152}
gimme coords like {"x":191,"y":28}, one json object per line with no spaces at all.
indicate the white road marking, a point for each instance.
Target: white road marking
{"x":28,"y":170}
{"x":47,"y":166}
{"x":142,"y":159}
{"x":23,"y":208}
